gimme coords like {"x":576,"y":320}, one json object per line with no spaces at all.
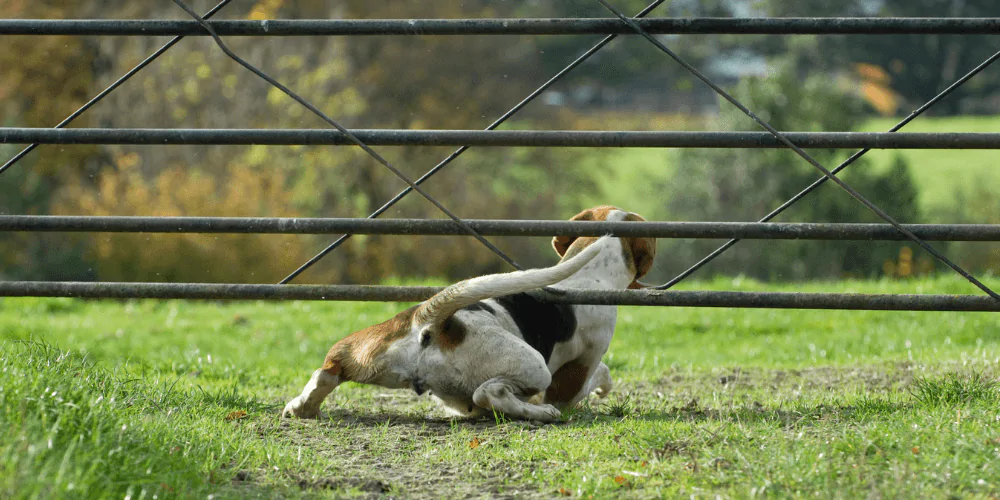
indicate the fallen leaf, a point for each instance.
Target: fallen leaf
{"x":564,"y":492}
{"x":236,"y":415}
{"x":474,"y":443}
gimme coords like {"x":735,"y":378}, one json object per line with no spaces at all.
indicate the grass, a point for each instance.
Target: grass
{"x":955,"y":389}
{"x":941,"y":173}
{"x":938,"y":173}
{"x":152,"y":399}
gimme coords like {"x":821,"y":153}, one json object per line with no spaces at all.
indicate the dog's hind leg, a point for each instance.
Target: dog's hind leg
{"x":600,"y":382}
{"x":491,"y":368}
{"x":577,"y":379}
{"x":506,"y":396}
{"x":306,"y":405}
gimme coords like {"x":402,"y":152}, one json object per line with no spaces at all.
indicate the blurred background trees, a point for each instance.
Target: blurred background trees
{"x":798,"y":83}
{"x":744,"y":185}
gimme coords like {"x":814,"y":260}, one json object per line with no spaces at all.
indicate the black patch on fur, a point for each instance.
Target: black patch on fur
{"x":418,"y":387}
{"x":542,"y":324}
{"x":479,"y":306}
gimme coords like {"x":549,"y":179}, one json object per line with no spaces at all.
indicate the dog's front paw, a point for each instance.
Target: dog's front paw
{"x":297,"y":408}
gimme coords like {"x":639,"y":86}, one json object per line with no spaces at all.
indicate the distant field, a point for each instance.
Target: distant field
{"x":146,"y":399}
{"x":939,"y":174}
{"x":627,"y":183}
{"x":942,"y":173}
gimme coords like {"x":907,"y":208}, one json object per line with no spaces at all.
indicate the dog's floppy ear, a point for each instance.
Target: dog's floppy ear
{"x":562,"y":243}
{"x":643,"y":251}
{"x":638,"y":285}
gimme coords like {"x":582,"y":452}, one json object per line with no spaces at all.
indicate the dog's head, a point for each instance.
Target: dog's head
{"x":638,"y":252}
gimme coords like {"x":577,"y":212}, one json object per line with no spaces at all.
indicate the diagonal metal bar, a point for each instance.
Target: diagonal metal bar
{"x":111,"y":88}
{"x":338,"y":126}
{"x":778,"y":135}
{"x":791,"y":201}
{"x":458,"y":152}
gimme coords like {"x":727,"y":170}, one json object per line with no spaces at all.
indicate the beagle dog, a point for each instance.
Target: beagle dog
{"x":484,"y":344}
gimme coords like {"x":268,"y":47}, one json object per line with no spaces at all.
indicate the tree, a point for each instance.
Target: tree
{"x":405,"y":82}
{"x":732,"y":185}
{"x":919,"y":66}
{"x":42,"y":79}
{"x":923,"y":65}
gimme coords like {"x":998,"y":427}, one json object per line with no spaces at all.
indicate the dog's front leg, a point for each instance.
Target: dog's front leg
{"x":504,"y":395}
{"x":306,"y":405}
{"x":366,"y":356}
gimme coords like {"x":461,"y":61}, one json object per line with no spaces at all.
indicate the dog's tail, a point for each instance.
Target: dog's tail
{"x":436,"y":310}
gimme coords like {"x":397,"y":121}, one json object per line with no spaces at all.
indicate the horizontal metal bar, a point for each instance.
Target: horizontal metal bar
{"x":552,"y":26}
{"x":525,"y":138}
{"x":491,"y":227}
{"x":758,"y":300}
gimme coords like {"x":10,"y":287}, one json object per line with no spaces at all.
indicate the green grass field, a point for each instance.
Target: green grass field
{"x":147,"y":399}
{"x":939,"y":174}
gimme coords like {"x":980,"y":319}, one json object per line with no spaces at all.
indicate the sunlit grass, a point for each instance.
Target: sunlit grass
{"x":955,"y":389}
{"x":174,"y":398}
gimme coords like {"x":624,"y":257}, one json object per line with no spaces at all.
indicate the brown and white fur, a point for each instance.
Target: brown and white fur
{"x":482,"y":344}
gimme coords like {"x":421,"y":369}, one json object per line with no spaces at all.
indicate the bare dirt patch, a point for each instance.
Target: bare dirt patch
{"x":399,"y":447}
{"x":373,"y":455}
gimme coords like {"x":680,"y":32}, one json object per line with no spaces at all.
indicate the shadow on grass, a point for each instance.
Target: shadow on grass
{"x":785,"y":418}
{"x":865,"y":409}
{"x":946,"y":389}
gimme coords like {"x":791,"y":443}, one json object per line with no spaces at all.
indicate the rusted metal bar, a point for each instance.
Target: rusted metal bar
{"x":756,"y":300}
{"x":496,"y":227}
{"x":526,"y":138}
{"x":536,"y":26}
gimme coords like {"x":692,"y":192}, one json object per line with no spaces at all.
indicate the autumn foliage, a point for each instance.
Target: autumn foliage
{"x":365,"y":83}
